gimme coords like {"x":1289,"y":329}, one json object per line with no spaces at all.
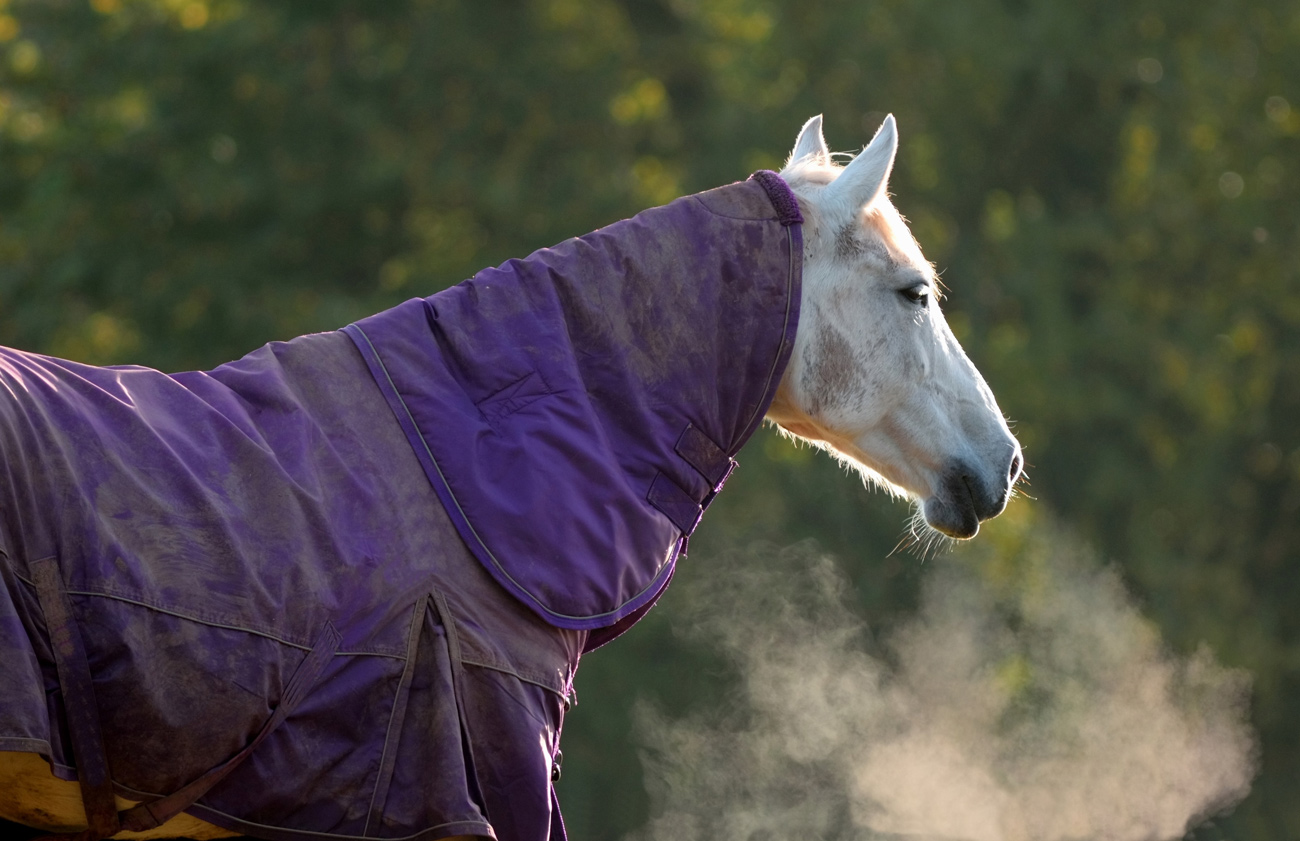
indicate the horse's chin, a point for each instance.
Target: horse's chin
{"x":951,"y":518}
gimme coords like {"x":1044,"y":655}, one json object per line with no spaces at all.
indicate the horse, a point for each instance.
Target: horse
{"x":828,"y":316}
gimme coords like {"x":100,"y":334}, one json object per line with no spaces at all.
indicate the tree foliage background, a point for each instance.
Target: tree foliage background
{"x":1110,"y":190}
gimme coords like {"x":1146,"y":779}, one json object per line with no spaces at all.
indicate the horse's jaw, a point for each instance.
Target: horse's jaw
{"x":896,"y":476}
{"x":953,"y":502}
{"x":954,"y":487}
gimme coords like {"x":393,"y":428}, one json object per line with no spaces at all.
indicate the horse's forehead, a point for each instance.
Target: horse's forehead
{"x":854,"y":243}
{"x":862,"y":247}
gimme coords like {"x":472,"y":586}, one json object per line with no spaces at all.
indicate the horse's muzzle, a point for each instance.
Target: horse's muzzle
{"x":964,"y":500}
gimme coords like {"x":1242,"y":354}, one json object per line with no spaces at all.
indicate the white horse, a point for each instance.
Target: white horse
{"x":876,"y":377}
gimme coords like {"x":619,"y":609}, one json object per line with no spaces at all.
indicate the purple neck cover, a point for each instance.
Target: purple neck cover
{"x":578,"y":409}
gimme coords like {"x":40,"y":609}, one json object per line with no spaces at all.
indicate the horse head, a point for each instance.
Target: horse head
{"x":876,"y":376}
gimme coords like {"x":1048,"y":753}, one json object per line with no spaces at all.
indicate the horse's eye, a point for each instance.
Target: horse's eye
{"x":918,"y":294}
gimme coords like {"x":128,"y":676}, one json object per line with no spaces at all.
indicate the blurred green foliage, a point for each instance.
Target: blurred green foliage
{"x":1110,"y":190}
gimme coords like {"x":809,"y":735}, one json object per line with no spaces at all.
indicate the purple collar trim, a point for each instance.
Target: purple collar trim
{"x":782,"y":197}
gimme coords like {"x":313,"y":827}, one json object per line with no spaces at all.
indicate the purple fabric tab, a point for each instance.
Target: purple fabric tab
{"x":675,"y":503}
{"x":783,"y":199}
{"x":704,"y":455}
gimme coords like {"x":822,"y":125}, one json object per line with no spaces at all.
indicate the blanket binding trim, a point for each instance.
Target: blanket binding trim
{"x":539,"y":682}
{"x":794,"y":240}
{"x":223,"y":625}
{"x":782,"y":197}
{"x":190,"y":618}
{"x":277,"y":833}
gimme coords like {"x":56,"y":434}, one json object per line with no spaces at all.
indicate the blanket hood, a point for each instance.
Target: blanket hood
{"x":576,"y":411}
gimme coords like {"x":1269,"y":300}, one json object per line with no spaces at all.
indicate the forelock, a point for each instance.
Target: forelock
{"x":811,"y":170}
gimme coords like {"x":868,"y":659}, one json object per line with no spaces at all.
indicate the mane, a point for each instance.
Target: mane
{"x":882,"y":218}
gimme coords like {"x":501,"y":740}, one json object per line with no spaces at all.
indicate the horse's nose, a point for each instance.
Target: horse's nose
{"x":1017,"y":467}
{"x":991,"y":505}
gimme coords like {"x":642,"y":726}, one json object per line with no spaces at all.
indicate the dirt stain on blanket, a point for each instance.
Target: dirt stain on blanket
{"x":1027,"y":699}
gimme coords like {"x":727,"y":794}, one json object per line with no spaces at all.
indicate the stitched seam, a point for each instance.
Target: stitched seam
{"x":515,"y":673}
{"x":218,"y":624}
{"x":495,"y":408}
{"x":702,"y":203}
{"x":212,"y":623}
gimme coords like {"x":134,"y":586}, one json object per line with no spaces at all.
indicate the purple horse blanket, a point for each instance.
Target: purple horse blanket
{"x":341,"y":586}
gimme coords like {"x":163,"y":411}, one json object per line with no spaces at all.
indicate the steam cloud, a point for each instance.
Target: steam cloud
{"x":1028,"y":699}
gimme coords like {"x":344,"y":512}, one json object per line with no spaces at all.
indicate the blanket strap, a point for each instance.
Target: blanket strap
{"x":157,"y":812}
{"x":102,"y":818}
{"x":711,"y":462}
{"x":78,"y":701}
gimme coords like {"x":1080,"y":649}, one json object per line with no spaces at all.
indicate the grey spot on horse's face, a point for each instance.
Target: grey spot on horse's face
{"x":855,"y":245}
{"x":833,"y":376}
{"x":848,"y":245}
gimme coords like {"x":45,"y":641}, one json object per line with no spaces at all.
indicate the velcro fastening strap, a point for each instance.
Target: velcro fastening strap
{"x":705,"y":456}
{"x":675,"y":504}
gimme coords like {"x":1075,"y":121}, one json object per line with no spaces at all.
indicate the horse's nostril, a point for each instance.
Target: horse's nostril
{"x":1017,"y":464}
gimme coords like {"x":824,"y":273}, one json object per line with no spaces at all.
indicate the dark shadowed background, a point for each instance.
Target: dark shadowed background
{"x":1110,"y":190}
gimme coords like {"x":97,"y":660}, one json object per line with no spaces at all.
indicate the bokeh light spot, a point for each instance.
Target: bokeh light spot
{"x":1204,"y":137}
{"x":1150,"y":70}
{"x":999,"y":216}
{"x":223,"y":148}
{"x":1277,"y":109}
{"x":644,"y":101}
{"x":1231,"y":184}
{"x":194,"y":15}
{"x":24,"y":57}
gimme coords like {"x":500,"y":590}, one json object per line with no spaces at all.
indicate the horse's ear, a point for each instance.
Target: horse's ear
{"x":810,"y":144}
{"x":865,"y":178}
